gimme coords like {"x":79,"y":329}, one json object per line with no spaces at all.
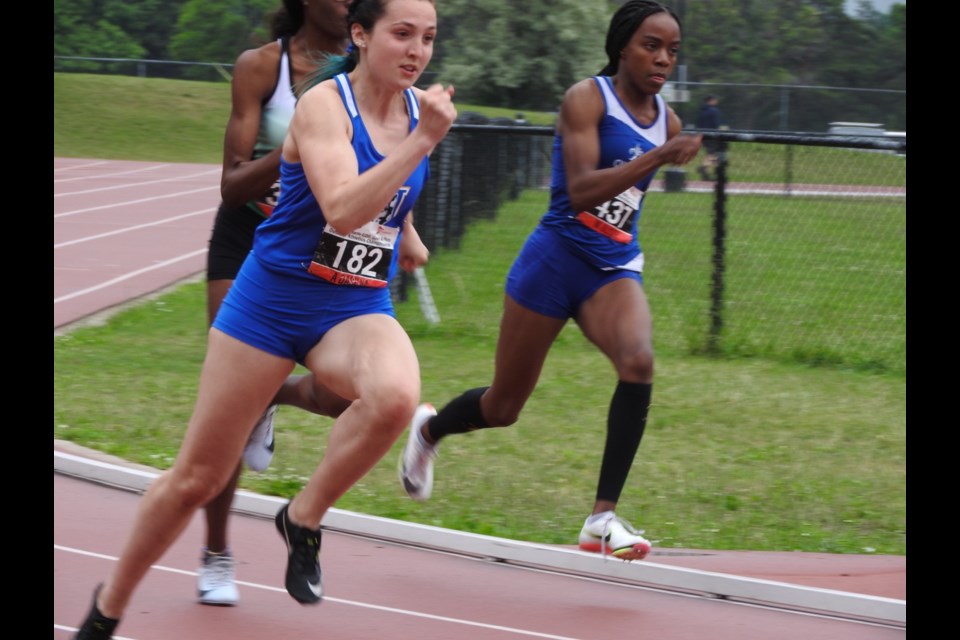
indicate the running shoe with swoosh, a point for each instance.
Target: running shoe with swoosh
{"x":612,"y":535}
{"x":259,"y":450}
{"x":96,"y":626}
{"x":216,"y":580}
{"x":304,"y":581}
{"x":416,"y":459}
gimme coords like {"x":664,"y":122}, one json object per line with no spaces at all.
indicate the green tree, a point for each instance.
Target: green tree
{"x":522,"y":56}
{"x":218,"y":30}
{"x":82,"y":28}
{"x":895,"y":38}
{"x":150,"y":22}
{"x":796,"y":42}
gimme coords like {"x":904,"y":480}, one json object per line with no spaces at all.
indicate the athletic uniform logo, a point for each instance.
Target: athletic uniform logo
{"x":390,"y":211}
{"x":635,"y":152}
{"x":361,"y":257}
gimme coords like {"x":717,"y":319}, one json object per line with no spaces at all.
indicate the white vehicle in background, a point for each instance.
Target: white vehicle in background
{"x":865,"y":129}
{"x":856,"y":129}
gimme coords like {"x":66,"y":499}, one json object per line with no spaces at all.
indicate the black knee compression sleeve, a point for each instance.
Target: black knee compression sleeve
{"x":461,"y":415}
{"x":625,"y":424}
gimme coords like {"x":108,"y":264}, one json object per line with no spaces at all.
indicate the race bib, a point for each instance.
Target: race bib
{"x":614,"y":218}
{"x":264,"y":206}
{"x":361,"y":257}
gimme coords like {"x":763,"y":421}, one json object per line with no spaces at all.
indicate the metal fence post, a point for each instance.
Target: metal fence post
{"x":719,"y":254}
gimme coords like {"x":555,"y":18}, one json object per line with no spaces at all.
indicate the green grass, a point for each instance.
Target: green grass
{"x":121,"y":115}
{"x":139,"y":118}
{"x":760,"y":162}
{"x":99,"y":116}
{"x":813,"y":280}
{"x":765,"y":452}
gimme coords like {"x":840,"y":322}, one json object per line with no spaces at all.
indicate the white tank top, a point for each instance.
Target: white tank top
{"x":278,"y":109}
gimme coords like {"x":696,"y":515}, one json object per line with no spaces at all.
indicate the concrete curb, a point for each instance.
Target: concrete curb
{"x":571,"y":561}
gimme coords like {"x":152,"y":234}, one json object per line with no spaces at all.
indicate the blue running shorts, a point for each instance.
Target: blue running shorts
{"x":553,"y":281}
{"x":287,"y":315}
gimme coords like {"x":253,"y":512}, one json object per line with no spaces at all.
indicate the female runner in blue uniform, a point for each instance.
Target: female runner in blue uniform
{"x":583,"y":261}
{"x":262,"y":104}
{"x":314,"y":291}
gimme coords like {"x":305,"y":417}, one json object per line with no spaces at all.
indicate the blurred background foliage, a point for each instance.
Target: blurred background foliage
{"x":519,"y":56}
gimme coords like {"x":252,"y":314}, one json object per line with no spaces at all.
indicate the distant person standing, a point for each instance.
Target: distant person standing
{"x":709,"y":118}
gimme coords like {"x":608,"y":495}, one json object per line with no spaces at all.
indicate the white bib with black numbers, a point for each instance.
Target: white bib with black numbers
{"x":361,"y":257}
{"x":614,"y":218}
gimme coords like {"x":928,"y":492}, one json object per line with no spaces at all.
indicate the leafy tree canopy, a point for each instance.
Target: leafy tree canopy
{"x":218,"y":30}
{"x":502,"y":53}
{"x":524,"y":55}
{"x":83,"y":28}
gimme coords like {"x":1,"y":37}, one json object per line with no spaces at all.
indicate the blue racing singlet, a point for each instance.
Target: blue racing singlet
{"x":606,"y":235}
{"x":297,"y":240}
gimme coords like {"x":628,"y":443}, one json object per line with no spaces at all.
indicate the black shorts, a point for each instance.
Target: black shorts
{"x":231,"y":241}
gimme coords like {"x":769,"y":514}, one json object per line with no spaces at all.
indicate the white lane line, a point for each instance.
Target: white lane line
{"x":127,"y":203}
{"x":137,"y":184}
{"x":127,"y":276}
{"x":107,"y":234}
{"x":81,"y":166}
{"x":62,"y":627}
{"x":351,"y":603}
{"x":153,"y":167}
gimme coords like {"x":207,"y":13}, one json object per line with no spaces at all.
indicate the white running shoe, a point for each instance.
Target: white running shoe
{"x":416,"y":461}
{"x":614,"y":536}
{"x":259,"y":450}
{"x":216,"y":584}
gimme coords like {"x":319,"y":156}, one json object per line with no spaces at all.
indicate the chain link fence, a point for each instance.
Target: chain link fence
{"x":169,"y":69}
{"x":757,"y":107}
{"x":795,"y":250}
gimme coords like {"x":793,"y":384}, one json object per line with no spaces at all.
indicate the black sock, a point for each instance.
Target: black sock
{"x":626,"y":422}
{"x":461,"y":415}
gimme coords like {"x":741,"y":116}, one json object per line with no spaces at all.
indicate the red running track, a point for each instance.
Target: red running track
{"x":123,"y":230}
{"x":384,"y":591}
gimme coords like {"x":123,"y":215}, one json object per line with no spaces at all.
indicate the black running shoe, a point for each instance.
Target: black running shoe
{"x":304,"y":582}
{"x":97,"y":626}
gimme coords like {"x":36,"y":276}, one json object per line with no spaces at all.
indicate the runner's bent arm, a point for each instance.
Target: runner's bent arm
{"x":580,"y":115}
{"x":254,"y":78}
{"x":320,"y":136}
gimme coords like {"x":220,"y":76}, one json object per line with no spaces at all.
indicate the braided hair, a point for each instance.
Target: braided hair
{"x":624,"y":23}
{"x":287,"y":20}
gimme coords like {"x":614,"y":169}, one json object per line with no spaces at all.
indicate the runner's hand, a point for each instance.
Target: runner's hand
{"x":437,"y":112}
{"x":680,"y":149}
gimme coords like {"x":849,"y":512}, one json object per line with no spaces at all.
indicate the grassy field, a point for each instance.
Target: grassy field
{"x":741,"y":453}
{"x":98,"y":116}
